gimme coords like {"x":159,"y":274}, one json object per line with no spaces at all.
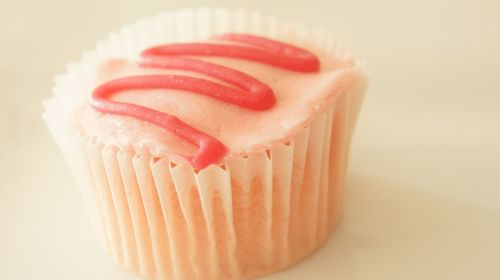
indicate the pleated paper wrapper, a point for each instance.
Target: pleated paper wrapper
{"x":253,"y":215}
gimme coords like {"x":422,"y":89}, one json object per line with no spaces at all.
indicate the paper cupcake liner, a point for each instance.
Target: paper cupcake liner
{"x":250,"y":216}
{"x":253,"y":215}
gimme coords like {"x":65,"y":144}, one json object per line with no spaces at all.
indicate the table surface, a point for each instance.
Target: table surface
{"x":422,"y":200}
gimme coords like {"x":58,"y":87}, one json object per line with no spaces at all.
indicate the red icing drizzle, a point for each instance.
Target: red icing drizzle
{"x":247,"y":92}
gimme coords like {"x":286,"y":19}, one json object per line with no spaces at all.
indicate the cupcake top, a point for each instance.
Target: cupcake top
{"x":202,"y":102}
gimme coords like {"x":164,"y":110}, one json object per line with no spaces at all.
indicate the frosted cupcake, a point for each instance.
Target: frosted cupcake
{"x":209,"y":144}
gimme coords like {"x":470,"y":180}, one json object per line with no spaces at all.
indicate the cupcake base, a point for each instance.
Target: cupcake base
{"x":251,"y":216}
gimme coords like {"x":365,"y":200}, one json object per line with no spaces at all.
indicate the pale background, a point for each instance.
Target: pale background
{"x":423,"y":196}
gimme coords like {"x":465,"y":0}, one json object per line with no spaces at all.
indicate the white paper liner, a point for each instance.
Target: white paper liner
{"x":253,"y":215}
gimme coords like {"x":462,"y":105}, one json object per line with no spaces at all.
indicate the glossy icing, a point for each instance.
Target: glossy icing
{"x":238,"y":88}
{"x":300,"y":97}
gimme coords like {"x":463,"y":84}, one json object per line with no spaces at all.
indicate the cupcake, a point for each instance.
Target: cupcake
{"x":209,"y":144}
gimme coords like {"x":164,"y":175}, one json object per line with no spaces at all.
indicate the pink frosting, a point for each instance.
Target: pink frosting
{"x":299,"y":97}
